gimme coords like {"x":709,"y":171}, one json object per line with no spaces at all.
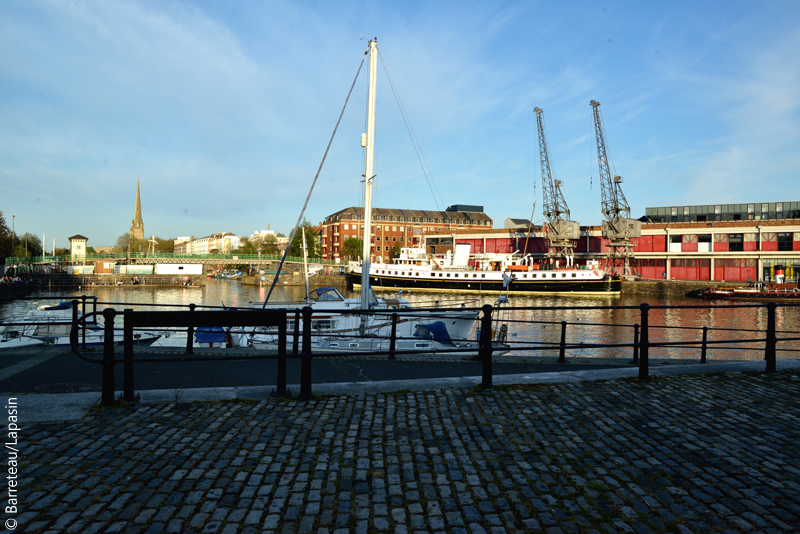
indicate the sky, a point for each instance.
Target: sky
{"x":223,"y":110}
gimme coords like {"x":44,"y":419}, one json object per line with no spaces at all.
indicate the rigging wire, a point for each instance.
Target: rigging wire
{"x":302,"y":212}
{"x":413,"y":135}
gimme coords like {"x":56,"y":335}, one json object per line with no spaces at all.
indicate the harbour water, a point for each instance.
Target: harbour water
{"x":531,"y":326}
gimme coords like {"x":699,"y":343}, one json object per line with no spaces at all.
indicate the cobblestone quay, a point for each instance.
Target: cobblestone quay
{"x":701,"y":453}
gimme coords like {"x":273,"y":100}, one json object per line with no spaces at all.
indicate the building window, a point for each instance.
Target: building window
{"x":785,"y":242}
{"x":386,"y":248}
{"x":735,"y":243}
{"x":379,"y":227}
{"x":394,"y":238}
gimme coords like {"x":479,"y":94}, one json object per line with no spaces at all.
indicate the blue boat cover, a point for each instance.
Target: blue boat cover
{"x":436,"y":330}
{"x":209,"y":334}
{"x":65,"y":305}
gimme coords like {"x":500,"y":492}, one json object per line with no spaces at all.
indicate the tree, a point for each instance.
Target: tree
{"x":270,"y":245}
{"x":6,"y":240}
{"x":126,"y":242}
{"x":312,"y":241}
{"x":31,"y":243}
{"x":352,"y":249}
{"x":395,"y":251}
{"x":91,"y":250}
{"x":246,"y":247}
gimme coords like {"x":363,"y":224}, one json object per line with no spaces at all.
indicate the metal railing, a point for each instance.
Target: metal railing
{"x":642,"y":343}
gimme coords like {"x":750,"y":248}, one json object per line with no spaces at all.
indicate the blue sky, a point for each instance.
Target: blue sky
{"x":224,"y":109}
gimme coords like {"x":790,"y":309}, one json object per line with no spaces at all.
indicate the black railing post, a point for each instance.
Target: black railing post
{"x":704,"y":346}
{"x":190,"y":334}
{"x":769,"y":347}
{"x":636,"y":344}
{"x":485,"y":348}
{"x":393,"y":338}
{"x":281,"y":378}
{"x":296,"y":340}
{"x":75,"y":320}
{"x":563,"y":345}
{"x":107,"y":396}
{"x":127,"y":357}
{"x":305,"y":358}
{"x":644,"y":343}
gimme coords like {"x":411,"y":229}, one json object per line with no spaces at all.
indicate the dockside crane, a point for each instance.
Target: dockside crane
{"x":560,"y":230}
{"x":618,"y":227}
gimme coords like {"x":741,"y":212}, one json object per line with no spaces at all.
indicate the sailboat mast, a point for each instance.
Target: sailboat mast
{"x":305,"y":261}
{"x":368,"y":141}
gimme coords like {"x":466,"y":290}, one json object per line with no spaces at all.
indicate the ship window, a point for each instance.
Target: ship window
{"x":553,"y":275}
{"x":483,"y":276}
{"x":333,"y":345}
{"x":353,"y":345}
{"x":416,"y":274}
{"x":573,"y":275}
{"x":524,"y":276}
{"x":448,"y":275}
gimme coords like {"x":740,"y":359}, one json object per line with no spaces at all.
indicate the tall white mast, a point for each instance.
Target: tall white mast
{"x":305,"y":261}
{"x":368,"y":141}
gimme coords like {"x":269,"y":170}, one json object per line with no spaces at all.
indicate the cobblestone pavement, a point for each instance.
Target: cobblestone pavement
{"x":700,"y":453}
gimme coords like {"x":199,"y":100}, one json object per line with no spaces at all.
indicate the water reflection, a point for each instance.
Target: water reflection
{"x":533,"y":326}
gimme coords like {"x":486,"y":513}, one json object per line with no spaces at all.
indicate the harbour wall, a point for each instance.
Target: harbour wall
{"x":671,"y":287}
{"x":121,"y":280}
{"x":317,"y":280}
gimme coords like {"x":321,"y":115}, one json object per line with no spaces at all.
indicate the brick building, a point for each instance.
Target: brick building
{"x":396,"y":227}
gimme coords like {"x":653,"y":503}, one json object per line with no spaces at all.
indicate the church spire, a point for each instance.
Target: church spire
{"x":137,"y":226}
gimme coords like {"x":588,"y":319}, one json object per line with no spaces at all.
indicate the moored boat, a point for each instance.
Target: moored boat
{"x":417,"y":270}
{"x":769,"y":291}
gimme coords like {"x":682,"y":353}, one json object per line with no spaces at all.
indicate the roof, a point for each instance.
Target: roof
{"x":78,"y":236}
{"x":409,"y":215}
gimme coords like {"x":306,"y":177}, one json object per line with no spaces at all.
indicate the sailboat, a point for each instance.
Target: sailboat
{"x":369,"y":326}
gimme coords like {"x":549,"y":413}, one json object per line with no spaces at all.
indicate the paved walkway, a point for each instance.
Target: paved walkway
{"x":591,"y":453}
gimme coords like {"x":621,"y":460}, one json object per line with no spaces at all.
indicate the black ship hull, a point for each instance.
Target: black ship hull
{"x":607,"y":286}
